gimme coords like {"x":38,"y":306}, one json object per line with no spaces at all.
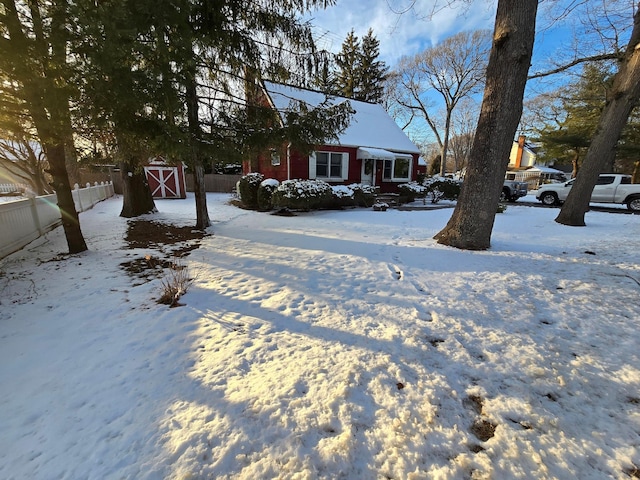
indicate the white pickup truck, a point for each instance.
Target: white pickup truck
{"x":610,"y":188}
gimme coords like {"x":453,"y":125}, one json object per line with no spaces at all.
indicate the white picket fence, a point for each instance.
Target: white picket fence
{"x":12,"y":187}
{"x":22,"y":221}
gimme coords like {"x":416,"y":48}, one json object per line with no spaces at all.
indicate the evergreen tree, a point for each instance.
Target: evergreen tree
{"x":36,"y":70}
{"x":324,"y":79}
{"x":372,"y":72}
{"x":348,"y":63}
{"x":360,"y":74}
{"x":568,"y":139}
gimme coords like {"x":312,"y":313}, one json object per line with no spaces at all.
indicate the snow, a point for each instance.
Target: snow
{"x":330,"y":344}
{"x":370,"y":125}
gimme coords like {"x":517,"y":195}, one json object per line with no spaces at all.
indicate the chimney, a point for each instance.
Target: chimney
{"x":520,"y":151}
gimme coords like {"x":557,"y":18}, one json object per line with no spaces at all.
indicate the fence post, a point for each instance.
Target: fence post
{"x":77,"y":197}
{"x":34,"y":212}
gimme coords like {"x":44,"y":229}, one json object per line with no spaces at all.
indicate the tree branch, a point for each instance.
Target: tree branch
{"x":578,"y":61}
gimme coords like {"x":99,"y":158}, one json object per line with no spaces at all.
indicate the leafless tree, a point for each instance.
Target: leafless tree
{"x":25,"y":160}
{"x":464,"y":123}
{"x":472,"y":221}
{"x":454,"y":69}
{"x":623,"y":97}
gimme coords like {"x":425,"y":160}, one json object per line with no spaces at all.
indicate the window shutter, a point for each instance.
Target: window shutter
{"x":312,"y":166}
{"x":345,"y":166}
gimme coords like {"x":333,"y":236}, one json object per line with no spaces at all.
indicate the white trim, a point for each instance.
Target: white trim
{"x":368,"y":153}
{"x":344,"y":166}
{"x":312,"y":166}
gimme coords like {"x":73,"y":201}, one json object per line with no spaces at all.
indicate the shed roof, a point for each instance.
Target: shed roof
{"x":371,"y":126}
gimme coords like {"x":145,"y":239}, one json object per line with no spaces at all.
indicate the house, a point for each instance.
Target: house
{"x":537,"y":175}
{"x":373,"y":150}
{"x":522,"y":155}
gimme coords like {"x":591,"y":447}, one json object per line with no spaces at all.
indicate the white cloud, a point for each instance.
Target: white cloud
{"x":400,"y":34}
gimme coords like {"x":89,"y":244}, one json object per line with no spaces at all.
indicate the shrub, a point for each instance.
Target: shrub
{"x":341,"y":197}
{"x":265,"y":194}
{"x":439,"y":188}
{"x":248,"y":189}
{"x":302,"y":195}
{"x":412,"y":190}
{"x":363,"y":195}
{"x":175,"y":283}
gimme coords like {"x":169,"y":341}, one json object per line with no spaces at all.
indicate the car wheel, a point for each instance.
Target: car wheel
{"x":634,"y":204}
{"x":504,"y":195}
{"x":549,"y":198}
{"x":513,"y":199}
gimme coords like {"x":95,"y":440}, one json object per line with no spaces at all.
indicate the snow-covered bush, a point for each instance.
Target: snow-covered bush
{"x":439,"y":188}
{"x":412,"y":190}
{"x":363,"y":195}
{"x":302,"y":195}
{"x":265,"y":194}
{"x":248,"y":189}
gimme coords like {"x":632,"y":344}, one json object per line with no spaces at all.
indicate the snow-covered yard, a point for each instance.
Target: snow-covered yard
{"x":331,"y":344}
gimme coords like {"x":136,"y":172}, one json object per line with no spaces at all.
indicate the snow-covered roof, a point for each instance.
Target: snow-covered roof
{"x":543,"y":169}
{"x":371,"y":126}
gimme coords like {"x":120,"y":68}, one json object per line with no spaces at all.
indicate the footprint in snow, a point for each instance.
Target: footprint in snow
{"x":397,"y":273}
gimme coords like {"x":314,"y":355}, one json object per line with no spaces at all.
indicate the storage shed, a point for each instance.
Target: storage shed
{"x":165,"y":180}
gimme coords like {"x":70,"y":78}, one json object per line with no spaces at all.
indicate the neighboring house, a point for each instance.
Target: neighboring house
{"x":537,"y":175}
{"x":522,"y":155}
{"x":373,"y":150}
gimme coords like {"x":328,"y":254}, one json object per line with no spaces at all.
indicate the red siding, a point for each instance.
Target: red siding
{"x":299,"y":168}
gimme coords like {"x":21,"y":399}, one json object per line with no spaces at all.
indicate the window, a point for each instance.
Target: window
{"x":388,"y":168}
{"x":605,"y":179}
{"x":398,"y":169}
{"x":275,"y":158}
{"x":401,"y":168}
{"x":328,"y":165}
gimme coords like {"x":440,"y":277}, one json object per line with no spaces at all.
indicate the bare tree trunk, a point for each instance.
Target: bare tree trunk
{"x":472,"y":221}
{"x":43,"y":97}
{"x":445,"y":143}
{"x":623,"y":98}
{"x":202,"y":213}
{"x":635,"y":176}
{"x":575,"y":165}
{"x":70,"y":220}
{"x":136,"y":195}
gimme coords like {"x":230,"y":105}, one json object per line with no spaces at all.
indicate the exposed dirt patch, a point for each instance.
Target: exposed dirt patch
{"x":170,"y":241}
{"x":473,"y":402}
{"x":149,"y":234}
{"x":483,"y":430}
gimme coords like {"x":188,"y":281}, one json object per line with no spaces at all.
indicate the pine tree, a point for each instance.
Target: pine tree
{"x":348,"y":62}
{"x":360,"y":74}
{"x":372,"y":72}
{"x":582,"y":102}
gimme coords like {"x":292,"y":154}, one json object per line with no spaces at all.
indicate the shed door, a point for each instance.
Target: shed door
{"x":163,"y":182}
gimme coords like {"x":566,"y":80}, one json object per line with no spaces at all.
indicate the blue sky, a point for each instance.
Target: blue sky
{"x":405,"y":34}
{"x":399,"y":34}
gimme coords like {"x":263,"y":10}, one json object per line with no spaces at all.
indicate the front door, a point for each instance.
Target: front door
{"x":368,"y":168}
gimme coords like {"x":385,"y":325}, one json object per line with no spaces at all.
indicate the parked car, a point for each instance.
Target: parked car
{"x":610,"y":188}
{"x":513,"y":190}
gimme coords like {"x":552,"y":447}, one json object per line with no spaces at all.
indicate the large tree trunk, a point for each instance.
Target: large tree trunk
{"x":472,"y":221}
{"x":623,"y":97}
{"x":70,"y":221}
{"x":44,"y":95}
{"x":136,"y":195}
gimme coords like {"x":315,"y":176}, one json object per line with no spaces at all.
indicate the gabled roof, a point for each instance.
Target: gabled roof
{"x":371,"y":126}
